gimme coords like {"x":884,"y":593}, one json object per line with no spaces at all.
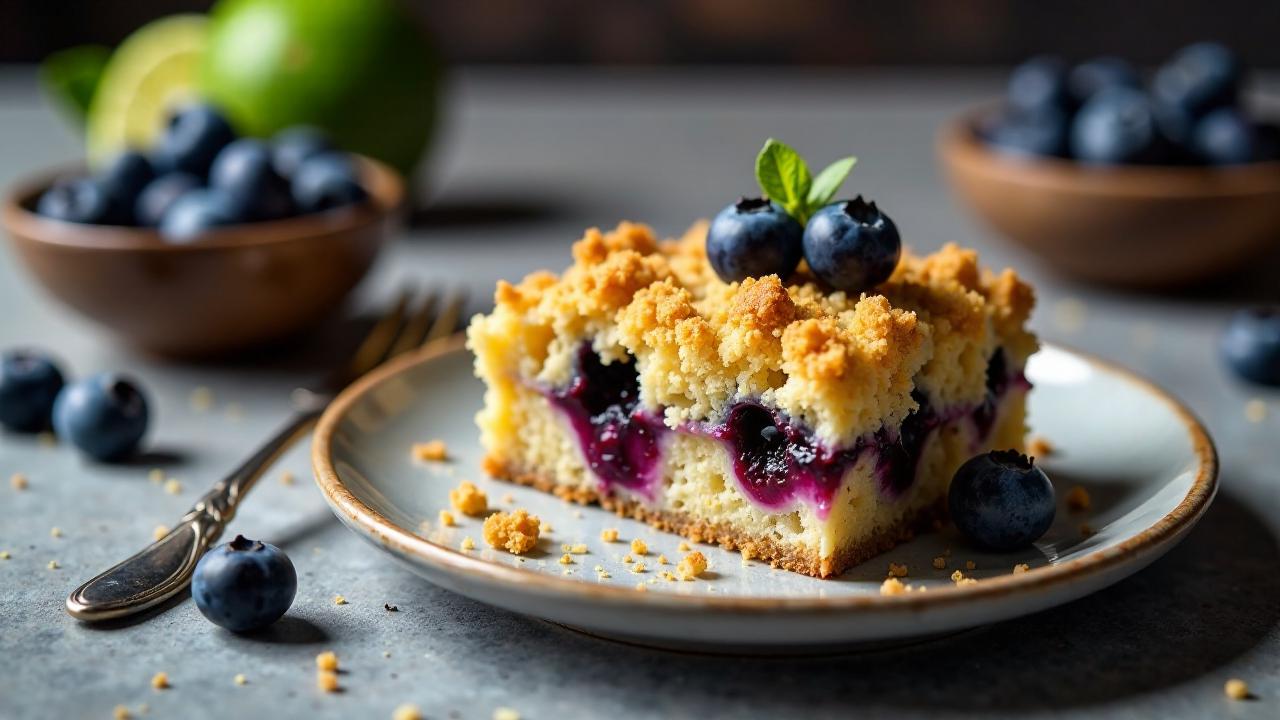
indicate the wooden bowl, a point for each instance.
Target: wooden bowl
{"x":1140,"y":226}
{"x":237,"y":287}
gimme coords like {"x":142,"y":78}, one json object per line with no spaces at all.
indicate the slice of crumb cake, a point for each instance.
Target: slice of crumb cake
{"x":809,"y":429}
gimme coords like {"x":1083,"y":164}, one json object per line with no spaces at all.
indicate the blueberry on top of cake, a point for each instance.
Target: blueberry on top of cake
{"x":808,"y":426}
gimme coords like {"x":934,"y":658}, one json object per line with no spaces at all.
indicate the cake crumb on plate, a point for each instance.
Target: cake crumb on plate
{"x":1038,"y":447}
{"x":970,"y":565}
{"x":516,"y":531}
{"x":159,"y":531}
{"x":173,"y":486}
{"x":156,"y":475}
{"x":469,"y":499}
{"x":160,"y":681}
{"x":55,"y":532}
{"x":1255,"y":411}
{"x":432,"y":450}
{"x":120,"y":712}
{"x":683,"y":546}
{"x":892,"y":586}
{"x":53,"y":565}
{"x":939,"y":563}
{"x":467,"y":543}
{"x":446,"y":519}
{"x":505,"y":713}
{"x":18,"y":481}
{"x":1021,"y":568}
{"x":4,"y":555}
{"x":240,"y":679}
{"x":693,"y":565}
{"x":1078,"y":499}
{"x":201,"y":399}
{"x":566,"y":559}
{"x":287,"y":478}
{"x":896,"y":570}
{"x":639,"y":547}
{"x":609,"y":535}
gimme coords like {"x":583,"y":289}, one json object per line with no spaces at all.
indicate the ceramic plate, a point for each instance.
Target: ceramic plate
{"x":1147,"y":464}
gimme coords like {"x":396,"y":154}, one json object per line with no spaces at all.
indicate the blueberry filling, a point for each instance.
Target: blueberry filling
{"x":618,"y":438}
{"x":776,"y":459}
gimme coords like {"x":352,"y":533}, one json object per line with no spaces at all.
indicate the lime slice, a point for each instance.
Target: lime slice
{"x":151,"y":72}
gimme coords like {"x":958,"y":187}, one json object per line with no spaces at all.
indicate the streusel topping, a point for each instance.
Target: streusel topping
{"x":845,"y":365}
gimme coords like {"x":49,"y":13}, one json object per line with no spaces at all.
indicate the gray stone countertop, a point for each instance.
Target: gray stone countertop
{"x":527,"y":160}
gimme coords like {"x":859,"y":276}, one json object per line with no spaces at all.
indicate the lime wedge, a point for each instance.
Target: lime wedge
{"x":151,"y":72}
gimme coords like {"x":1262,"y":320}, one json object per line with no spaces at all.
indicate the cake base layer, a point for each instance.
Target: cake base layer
{"x":763,"y":548}
{"x":697,"y":493}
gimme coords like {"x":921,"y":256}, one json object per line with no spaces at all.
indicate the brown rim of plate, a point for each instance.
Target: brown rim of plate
{"x":384,"y":185}
{"x":958,"y":141}
{"x":401,"y":540}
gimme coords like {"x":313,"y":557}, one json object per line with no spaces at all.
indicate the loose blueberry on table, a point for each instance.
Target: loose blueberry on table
{"x":104,"y":415}
{"x":1001,"y":501}
{"x":244,"y":585}
{"x":29,"y":385}
{"x":1251,"y":345}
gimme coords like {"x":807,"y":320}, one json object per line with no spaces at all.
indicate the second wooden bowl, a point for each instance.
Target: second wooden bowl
{"x":1141,"y":227}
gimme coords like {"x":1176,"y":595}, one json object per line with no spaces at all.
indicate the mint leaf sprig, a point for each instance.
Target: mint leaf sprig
{"x":784,"y":178}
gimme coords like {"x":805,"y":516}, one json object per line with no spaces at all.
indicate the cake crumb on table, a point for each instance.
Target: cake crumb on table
{"x":1255,"y":411}
{"x":693,"y":565}
{"x":390,"y":608}
{"x":469,"y":499}
{"x":432,"y":450}
{"x":939,"y":563}
{"x":467,"y":543}
{"x":609,"y":535}
{"x":160,"y":681}
{"x":516,"y":531}
{"x":896,"y":570}
{"x":120,"y":712}
{"x":505,"y":713}
{"x":327,"y":660}
{"x":173,"y":486}
{"x":407,"y":712}
{"x":1020,"y":568}
{"x":53,"y":565}
{"x":639,"y":547}
{"x":55,"y":531}
{"x":4,"y":555}
{"x":327,"y":680}
{"x":240,"y":679}
{"x":1236,"y":689}
{"x":1078,"y":499}
{"x":1038,"y":446}
{"x":159,"y":532}
{"x":18,"y":481}
{"x":339,"y":600}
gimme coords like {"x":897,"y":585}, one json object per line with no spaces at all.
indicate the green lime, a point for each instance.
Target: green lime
{"x":151,"y":72}
{"x":361,"y":70}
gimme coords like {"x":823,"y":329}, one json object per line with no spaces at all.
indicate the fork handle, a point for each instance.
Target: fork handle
{"x":164,"y":568}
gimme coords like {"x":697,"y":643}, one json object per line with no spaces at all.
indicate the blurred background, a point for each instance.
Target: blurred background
{"x":803,"y":32}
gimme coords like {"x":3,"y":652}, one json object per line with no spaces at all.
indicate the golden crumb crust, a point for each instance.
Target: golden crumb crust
{"x":845,"y":365}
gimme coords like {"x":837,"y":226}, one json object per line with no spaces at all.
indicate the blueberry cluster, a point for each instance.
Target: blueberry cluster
{"x":104,"y":415}
{"x":850,"y":244}
{"x":1101,"y":112}
{"x":200,"y":176}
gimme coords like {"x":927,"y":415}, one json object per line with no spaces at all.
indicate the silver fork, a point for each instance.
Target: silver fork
{"x":164,"y":568}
